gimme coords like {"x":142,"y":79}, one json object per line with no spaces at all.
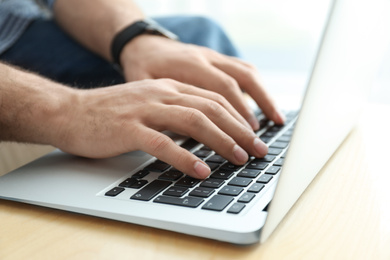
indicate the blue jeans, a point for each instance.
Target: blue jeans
{"x":46,"y":49}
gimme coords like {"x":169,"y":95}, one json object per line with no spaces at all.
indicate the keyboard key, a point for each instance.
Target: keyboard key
{"x":138,"y":184}
{"x":230,"y":190}
{"x":273,"y":170}
{"x":127,"y":183}
{"x":140,"y":174}
{"x":189,"y":144}
{"x":280,"y":145}
{"x":275,"y":128}
{"x":187,"y":181}
{"x":157,"y":166}
{"x":216,"y":159}
{"x":202,"y":153}
{"x":256,"y":187}
{"x":257,"y":164}
{"x":265,"y":178}
{"x":173,"y":169}
{"x":230,"y":166}
{"x":114,"y":191}
{"x":212,"y":183}
{"x":191,"y":202}
{"x":218,"y":202}
{"x":176,"y":191}
{"x":212,"y":165}
{"x":284,"y":138}
{"x":222,"y":174}
{"x":246,"y":197}
{"x":202,"y":192}
{"x":206,"y":148}
{"x":151,"y":190}
{"x":236,"y":208}
{"x":265,"y":139}
{"x":247,"y":173}
{"x":274,"y":151}
{"x":171,"y":175}
{"x":269,"y":134}
{"x":288,"y":132}
{"x":279,"y":162}
{"x":238,"y":181}
{"x":267,"y":158}
{"x":263,"y":123}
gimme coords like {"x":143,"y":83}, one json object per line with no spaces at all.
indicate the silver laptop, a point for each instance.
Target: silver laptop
{"x":232,"y":205}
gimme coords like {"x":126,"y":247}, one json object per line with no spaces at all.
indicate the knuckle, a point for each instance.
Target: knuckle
{"x":167,"y":81}
{"x":168,"y":84}
{"x":184,"y":159}
{"x":226,"y":142}
{"x":219,"y":99}
{"x":249,"y":74}
{"x":214,"y":108}
{"x":196,"y":54}
{"x":159,"y":143}
{"x":230,"y":83}
{"x":193,"y":117}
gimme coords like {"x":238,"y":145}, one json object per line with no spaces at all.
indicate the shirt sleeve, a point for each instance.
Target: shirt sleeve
{"x":48,"y":3}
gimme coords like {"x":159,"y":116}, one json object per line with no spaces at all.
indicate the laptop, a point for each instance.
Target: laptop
{"x":240,"y":205}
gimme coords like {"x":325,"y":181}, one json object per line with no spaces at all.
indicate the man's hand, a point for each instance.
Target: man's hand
{"x":95,"y":23}
{"x":105,"y":122}
{"x":153,"y":57}
{"x":110,"y":121}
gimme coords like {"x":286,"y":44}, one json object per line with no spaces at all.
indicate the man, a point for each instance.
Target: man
{"x":187,"y":89}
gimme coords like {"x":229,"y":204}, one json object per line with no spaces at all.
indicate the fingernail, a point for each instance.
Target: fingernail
{"x":201,"y":169}
{"x":260,"y":147}
{"x":240,"y":155}
{"x":254,"y":123}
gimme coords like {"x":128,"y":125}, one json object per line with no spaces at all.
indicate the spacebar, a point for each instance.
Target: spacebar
{"x":151,"y":190}
{"x":191,"y":202}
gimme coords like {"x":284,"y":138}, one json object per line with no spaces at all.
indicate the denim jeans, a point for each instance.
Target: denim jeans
{"x":46,"y":49}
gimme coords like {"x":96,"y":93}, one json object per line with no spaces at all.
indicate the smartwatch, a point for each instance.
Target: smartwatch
{"x":135,"y":29}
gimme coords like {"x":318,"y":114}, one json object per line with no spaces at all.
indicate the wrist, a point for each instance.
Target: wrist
{"x":136,"y":47}
{"x":59,"y":113}
{"x":134,"y":31}
{"x":32,"y":107}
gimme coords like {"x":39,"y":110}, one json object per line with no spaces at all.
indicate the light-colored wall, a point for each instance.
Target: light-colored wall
{"x":279,"y":36}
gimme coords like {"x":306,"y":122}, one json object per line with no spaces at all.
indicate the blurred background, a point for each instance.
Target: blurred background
{"x":280,"y":37}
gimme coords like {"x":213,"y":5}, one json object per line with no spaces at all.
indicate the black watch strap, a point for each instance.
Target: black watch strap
{"x":124,"y":36}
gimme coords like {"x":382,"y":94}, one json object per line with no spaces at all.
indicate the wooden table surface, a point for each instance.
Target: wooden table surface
{"x":344,"y":214}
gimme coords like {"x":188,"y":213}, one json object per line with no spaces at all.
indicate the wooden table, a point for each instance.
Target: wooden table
{"x":344,"y":214}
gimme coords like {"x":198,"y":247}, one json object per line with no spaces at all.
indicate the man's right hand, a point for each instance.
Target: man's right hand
{"x":109,"y":121}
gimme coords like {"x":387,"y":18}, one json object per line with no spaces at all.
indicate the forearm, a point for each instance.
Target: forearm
{"x":31,"y":107}
{"x":95,"y":23}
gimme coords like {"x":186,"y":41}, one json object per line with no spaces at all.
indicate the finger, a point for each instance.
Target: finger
{"x":192,"y":122}
{"x":216,"y":80}
{"x":162,"y":147}
{"x":249,"y":80}
{"x":242,"y":135}
{"x":211,"y":95}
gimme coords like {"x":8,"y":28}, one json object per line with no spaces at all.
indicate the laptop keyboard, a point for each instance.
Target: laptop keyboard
{"x":228,"y":187}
